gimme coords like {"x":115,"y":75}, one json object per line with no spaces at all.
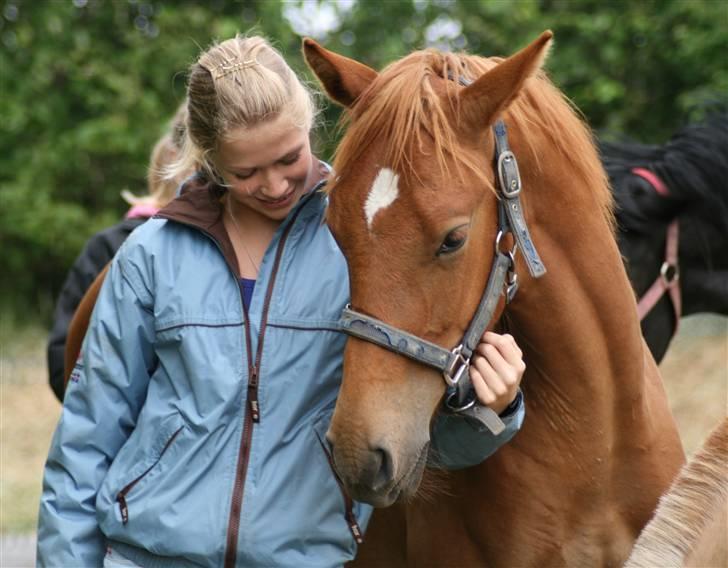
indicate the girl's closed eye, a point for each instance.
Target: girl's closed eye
{"x":244,"y":175}
{"x":290,"y":159}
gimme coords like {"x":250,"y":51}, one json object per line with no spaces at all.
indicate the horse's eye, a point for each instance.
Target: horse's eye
{"x":454,"y":240}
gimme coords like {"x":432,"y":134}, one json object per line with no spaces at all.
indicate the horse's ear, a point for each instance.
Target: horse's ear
{"x":344,"y":79}
{"x":481,"y":102}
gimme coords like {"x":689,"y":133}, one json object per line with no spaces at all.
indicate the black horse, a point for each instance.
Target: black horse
{"x":685,"y":181}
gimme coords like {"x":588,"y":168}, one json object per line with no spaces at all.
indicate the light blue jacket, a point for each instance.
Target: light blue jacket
{"x":191,"y":433}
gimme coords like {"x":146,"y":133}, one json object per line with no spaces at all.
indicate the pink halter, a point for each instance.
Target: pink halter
{"x":669,"y":276}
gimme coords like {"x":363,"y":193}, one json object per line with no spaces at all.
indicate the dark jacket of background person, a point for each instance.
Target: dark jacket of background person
{"x":97,"y":253}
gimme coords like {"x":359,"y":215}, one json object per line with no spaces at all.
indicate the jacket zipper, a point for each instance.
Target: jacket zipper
{"x":252,"y":409}
{"x":354,"y":527}
{"x":121,"y":496}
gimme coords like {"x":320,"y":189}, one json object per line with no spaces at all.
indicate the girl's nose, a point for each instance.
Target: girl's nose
{"x":276,"y":186}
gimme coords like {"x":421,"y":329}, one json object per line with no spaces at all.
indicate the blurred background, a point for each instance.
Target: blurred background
{"x":88,"y":86}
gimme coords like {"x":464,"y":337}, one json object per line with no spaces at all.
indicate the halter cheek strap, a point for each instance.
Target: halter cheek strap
{"x":454,"y":364}
{"x":668,"y":279}
{"x":510,"y":188}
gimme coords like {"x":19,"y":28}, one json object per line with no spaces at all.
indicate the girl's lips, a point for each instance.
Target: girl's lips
{"x":278,"y":203}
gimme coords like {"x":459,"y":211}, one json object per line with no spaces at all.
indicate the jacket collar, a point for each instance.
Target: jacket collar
{"x":200,"y":206}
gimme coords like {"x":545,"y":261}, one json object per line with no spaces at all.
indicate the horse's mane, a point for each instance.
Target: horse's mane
{"x":697,"y":497}
{"x":693,"y":165}
{"x":403,"y":104}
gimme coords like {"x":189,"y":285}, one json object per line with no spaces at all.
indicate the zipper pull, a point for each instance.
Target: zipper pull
{"x":354,"y":527}
{"x":254,"y":408}
{"x":253,"y":395}
{"x":123,"y":508}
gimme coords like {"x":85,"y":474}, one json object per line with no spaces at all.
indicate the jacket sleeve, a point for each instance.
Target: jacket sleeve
{"x":459,"y":442}
{"x":107,"y":389}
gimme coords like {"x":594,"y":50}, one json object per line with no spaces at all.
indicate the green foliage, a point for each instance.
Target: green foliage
{"x":88,"y":86}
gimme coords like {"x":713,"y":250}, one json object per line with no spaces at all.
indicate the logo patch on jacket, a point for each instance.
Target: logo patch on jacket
{"x":77,"y":368}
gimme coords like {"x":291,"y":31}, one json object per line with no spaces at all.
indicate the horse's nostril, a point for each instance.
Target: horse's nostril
{"x":379,"y":471}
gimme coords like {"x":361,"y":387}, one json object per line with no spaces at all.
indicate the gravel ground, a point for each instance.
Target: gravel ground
{"x":695,"y":372}
{"x":17,"y":550}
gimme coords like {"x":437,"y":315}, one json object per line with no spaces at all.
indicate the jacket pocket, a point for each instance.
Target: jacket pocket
{"x":167,"y":439}
{"x":320,"y":427}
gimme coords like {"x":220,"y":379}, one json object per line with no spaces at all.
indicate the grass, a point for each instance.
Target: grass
{"x":28,"y":414}
{"x":695,"y":374}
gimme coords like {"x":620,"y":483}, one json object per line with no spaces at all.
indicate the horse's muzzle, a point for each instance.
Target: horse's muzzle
{"x":374,"y":479}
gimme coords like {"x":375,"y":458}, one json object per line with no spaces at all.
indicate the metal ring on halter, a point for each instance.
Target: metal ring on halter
{"x":462,"y":408}
{"x":458,"y":374}
{"x":669,"y":273}
{"x":511,"y":253}
{"x":498,"y":238}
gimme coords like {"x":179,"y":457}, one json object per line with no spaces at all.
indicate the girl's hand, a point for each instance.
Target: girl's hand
{"x":496,"y":370}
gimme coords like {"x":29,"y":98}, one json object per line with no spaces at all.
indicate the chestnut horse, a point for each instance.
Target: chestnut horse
{"x":415,"y":211}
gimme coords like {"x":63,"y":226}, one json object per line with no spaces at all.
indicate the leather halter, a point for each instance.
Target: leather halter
{"x":668,"y":279}
{"x":454,"y":363}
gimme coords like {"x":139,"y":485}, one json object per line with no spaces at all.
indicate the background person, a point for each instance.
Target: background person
{"x":102,"y":246}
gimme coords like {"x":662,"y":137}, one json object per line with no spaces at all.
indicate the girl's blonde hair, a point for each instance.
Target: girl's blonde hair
{"x":161,"y":189}
{"x":240,"y":82}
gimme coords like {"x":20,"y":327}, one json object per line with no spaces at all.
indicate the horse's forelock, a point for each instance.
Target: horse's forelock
{"x":402,"y":106}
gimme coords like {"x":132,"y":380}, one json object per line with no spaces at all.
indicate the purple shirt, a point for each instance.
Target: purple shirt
{"x":247,"y":286}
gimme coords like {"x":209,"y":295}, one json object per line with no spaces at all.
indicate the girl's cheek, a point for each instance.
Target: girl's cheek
{"x":245,"y":189}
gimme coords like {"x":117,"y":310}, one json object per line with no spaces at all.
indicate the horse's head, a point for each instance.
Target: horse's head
{"x":412,"y":200}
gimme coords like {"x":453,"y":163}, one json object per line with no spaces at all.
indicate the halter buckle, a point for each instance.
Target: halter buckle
{"x":508,"y":174}
{"x":454,"y":373}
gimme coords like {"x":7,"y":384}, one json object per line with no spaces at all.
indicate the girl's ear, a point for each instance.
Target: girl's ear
{"x":343,"y":79}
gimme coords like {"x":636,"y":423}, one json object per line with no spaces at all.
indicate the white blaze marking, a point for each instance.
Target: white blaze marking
{"x":383,"y":193}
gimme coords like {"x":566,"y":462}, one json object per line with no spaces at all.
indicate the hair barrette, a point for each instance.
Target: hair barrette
{"x":230,"y":66}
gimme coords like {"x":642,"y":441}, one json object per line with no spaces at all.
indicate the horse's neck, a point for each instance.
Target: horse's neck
{"x":583,"y":346}
{"x":589,"y":371}
{"x":599,"y":444}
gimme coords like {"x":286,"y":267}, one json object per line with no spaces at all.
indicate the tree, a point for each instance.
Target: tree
{"x":87,"y":87}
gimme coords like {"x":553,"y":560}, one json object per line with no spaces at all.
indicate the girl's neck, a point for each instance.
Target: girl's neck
{"x":250,"y":234}
{"x":251,"y":223}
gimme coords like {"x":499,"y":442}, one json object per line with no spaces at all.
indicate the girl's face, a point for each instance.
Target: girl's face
{"x":267,"y":167}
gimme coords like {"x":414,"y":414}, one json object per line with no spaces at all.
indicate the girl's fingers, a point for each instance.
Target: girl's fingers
{"x":506,"y":372}
{"x":496,"y":370}
{"x":491,"y":377}
{"x":485,"y":395}
{"x":505,"y":344}
{"x":503,"y":347}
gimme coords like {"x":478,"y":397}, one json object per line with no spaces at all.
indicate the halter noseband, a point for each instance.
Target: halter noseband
{"x":454,"y":364}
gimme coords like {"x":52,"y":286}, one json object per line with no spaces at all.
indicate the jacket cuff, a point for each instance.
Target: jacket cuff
{"x":513,"y":406}
{"x":458,"y":442}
